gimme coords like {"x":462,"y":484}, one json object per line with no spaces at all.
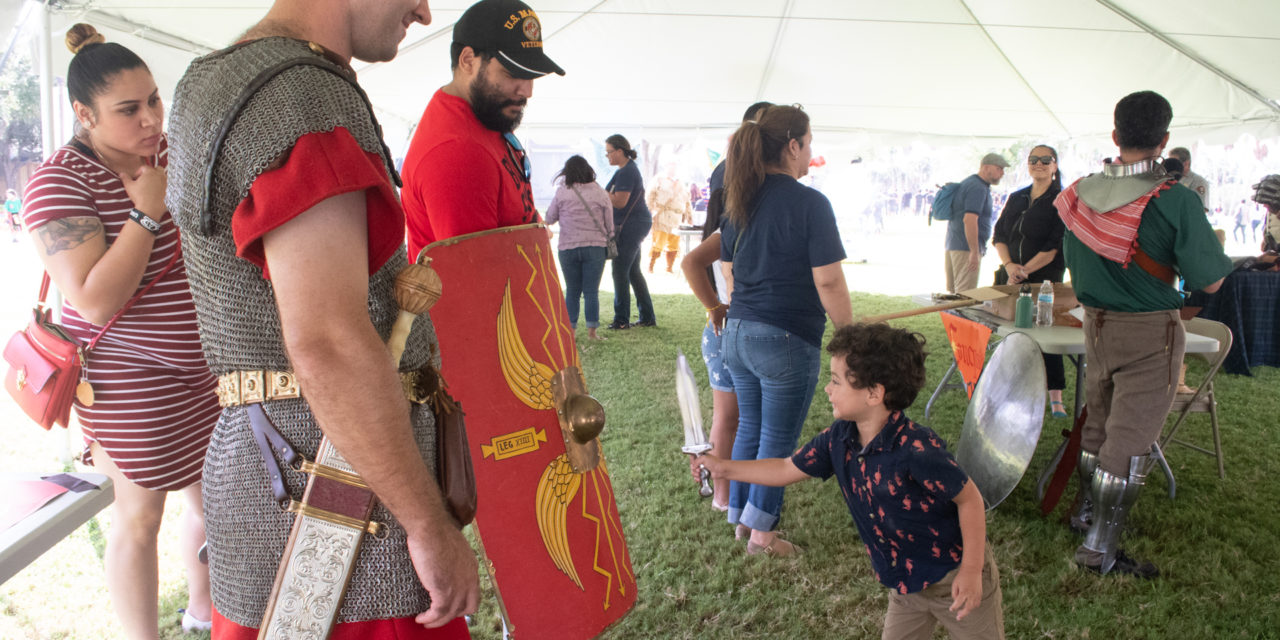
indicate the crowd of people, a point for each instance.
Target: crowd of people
{"x":233,"y":269}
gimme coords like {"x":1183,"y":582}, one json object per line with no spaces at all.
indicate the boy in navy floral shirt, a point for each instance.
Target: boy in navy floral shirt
{"x":921,"y":518}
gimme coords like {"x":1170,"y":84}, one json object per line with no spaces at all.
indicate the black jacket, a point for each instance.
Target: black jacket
{"x":1029,"y":228}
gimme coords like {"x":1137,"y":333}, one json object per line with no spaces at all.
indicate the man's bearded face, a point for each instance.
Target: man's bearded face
{"x":494,"y":109}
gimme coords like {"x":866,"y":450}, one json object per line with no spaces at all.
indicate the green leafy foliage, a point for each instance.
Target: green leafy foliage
{"x":19,"y":116}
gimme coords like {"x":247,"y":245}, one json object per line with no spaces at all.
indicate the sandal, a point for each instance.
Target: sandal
{"x":777,"y":548}
{"x":1059,"y":410}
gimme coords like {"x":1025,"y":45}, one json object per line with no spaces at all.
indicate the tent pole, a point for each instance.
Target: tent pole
{"x":1178,"y":46}
{"x":149,"y":34}
{"x":1014,"y":68}
{"x":47,"y":144}
{"x":773,"y":51}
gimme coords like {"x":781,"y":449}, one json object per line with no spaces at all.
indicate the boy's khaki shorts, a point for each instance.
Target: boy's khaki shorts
{"x":913,"y":616}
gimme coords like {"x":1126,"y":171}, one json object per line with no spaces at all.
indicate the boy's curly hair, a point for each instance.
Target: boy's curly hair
{"x":880,"y":354}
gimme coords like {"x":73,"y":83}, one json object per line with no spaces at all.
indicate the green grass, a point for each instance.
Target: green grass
{"x":1215,"y":543}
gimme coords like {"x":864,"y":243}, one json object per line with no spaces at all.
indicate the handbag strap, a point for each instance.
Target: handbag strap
{"x":587,"y":207}
{"x":44,"y":292}
{"x":627,"y":217}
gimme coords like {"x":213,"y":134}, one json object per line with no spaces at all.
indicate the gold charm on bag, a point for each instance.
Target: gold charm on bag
{"x":84,"y":393}
{"x":84,"y":390}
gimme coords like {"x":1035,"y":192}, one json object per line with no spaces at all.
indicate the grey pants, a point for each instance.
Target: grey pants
{"x":1130,"y":381}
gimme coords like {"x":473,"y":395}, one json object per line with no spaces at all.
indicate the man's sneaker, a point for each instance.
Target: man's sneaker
{"x":646,"y":323}
{"x":618,"y":326}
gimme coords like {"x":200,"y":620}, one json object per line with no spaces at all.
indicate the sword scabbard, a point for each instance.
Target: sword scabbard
{"x":320,"y":557}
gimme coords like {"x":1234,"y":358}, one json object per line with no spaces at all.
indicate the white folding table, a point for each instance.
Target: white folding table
{"x":1069,"y":342}
{"x":35,"y":534}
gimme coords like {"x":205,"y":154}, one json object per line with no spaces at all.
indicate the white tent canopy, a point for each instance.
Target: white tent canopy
{"x":904,"y":69}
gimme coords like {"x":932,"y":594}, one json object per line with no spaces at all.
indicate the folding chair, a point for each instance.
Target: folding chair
{"x":1203,"y":400}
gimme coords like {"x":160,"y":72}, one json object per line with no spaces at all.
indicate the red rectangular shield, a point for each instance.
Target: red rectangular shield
{"x":552,"y":536}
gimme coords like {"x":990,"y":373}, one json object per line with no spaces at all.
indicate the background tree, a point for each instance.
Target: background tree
{"x":19,"y":118}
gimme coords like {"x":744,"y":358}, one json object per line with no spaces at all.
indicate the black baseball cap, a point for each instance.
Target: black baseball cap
{"x":511,"y":31}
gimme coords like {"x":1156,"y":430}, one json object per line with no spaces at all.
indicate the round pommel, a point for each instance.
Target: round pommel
{"x":81,"y":35}
{"x":418,"y":286}
{"x":585,"y":416}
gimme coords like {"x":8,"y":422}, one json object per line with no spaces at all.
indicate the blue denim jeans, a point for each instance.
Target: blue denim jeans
{"x":713,"y":356}
{"x":583,"y":267}
{"x":627,"y":274}
{"x":774,"y":374}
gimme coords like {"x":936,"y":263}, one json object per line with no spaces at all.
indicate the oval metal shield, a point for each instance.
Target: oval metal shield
{"x":1006,"y":413}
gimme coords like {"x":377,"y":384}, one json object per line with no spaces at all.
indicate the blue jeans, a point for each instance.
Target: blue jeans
{"x":583,"y":267}
{"x":627,"y":274}
{"x":713,"y":355}
{"x":774,"y":374}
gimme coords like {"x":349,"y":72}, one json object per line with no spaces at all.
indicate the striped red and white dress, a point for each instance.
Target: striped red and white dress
{"x":155,"y":404}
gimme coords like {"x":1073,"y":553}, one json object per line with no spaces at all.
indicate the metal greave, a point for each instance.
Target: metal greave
{"x":1113,"y":496}
{"x":1087,"y":464}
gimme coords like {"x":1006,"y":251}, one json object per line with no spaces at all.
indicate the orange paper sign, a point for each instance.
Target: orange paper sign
{"x":969,"y":344}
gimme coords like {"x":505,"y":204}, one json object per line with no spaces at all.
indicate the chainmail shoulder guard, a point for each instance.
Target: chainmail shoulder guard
{"x":240,"y":325}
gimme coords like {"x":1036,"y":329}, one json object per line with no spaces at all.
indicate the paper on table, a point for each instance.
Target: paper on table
{"x":1077,"y":313}
{"x":25,"y":497}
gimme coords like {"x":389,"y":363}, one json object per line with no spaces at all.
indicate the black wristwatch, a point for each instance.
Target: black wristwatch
{"x":146,"y":222}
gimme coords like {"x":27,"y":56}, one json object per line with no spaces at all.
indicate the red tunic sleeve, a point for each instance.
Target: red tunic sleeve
{"x":320,"y":166}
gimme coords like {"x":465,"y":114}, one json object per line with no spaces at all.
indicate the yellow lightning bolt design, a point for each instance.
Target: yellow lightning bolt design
{"x":537,"y":268}
{"x":613,"y":523}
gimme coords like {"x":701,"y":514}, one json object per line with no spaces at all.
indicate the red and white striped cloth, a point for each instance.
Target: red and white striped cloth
{"x":1111,"y":234}
{"x":155,"y":404}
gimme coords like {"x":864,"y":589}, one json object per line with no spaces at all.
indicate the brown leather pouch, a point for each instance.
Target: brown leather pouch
{"x":454,"y":472}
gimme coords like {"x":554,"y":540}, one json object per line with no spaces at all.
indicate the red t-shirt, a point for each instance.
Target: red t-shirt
{"x":320,"y":166}
{"x":461,"y":177}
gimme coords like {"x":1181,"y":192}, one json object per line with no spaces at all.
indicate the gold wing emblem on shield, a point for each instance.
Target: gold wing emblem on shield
{"x":556,"y":489}
{"x":529,"y":379}
{"x":536,"y":384}
{"x":559,"y":486}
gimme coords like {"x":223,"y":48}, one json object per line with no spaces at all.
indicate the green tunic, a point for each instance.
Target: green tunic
{"x":1173,"y":231}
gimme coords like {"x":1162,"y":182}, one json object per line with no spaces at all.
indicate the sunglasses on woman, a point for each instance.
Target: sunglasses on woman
{"x":1041,"y":160}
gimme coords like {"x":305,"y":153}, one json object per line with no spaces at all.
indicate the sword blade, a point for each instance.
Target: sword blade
{"x":695,"y":439}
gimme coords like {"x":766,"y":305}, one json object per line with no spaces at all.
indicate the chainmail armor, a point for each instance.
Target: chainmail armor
{"x":240,"y":327}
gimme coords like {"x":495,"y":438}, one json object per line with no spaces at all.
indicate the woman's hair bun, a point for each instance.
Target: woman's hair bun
{"x":81,"y":35}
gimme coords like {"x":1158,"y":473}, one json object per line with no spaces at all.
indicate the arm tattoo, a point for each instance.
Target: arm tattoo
{"x":69,"y":233}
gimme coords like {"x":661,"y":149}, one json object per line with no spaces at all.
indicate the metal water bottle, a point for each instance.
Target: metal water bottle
{"x":1022,"y":311}
{"x":1044,"y":305}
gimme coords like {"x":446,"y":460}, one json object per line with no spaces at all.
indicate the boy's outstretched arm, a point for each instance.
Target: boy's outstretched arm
{"x":966,"y":590}
{"x":771,"y":472}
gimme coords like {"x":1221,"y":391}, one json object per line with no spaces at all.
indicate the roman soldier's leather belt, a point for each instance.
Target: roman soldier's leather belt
{"x":333,"y":514}
{"x":260,"y":385}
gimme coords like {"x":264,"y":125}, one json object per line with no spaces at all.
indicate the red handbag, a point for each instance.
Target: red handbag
{"x":46,"y":364}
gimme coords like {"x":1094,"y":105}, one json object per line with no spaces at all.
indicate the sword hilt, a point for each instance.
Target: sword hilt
{"x":705,"y":490}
